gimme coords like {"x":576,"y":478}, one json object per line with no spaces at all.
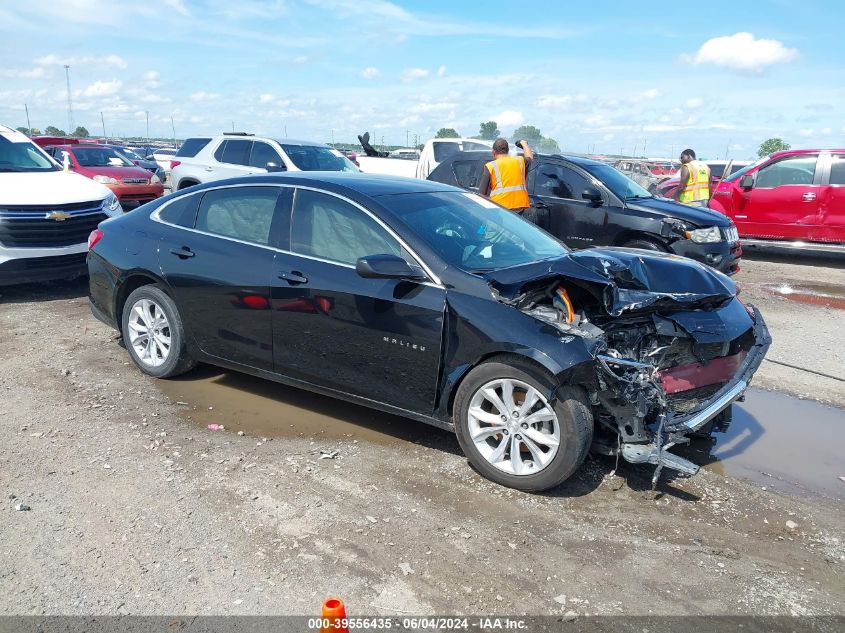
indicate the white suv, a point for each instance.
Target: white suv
{"x":231,"y":155}
{"x":46,"y":213}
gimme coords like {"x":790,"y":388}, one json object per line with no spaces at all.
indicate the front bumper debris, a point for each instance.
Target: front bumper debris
{"x":674,"y":429}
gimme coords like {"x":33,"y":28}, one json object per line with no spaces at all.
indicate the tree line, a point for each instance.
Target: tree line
{"x":52,"y":130}
{"x":489,"y":131}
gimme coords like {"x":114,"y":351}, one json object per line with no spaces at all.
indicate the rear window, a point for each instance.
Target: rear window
{"x":837,"y":170}
{"x":442,"y":151}
{"x":716,"y":171}
{"x":192,"y":146}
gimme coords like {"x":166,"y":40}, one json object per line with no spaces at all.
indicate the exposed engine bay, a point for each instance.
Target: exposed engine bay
{"x":667,"y":365}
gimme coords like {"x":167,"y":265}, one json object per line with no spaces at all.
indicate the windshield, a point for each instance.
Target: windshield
{"x":130,"y":154}
{"x":100,"y":157}
{"x":316,"y":158}
{"x":472,"y":233}
{"x":617,"y":182}
{"x":736,"y":175}
{"x":23,"y":156}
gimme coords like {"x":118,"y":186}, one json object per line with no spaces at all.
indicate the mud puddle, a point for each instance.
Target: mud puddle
{"x":262,"y":408}
{"x":832,"y":296}
{"x":774,"y":440}
{"x":781,"y":442}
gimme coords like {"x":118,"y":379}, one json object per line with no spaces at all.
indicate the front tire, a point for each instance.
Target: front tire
{"x":646,"y":244}
{"x":513,"y":434}
{"x":153,"y":333}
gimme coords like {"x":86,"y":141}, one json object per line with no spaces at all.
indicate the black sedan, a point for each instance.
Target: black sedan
{"x":589,"y":203}
{"x":424,"y":300}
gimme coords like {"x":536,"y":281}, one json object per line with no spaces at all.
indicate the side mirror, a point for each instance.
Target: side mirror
{"x":747,"y":181}
{"x":386,"y":267}
{"x":274,"y":167}
{"x":593,"y":196}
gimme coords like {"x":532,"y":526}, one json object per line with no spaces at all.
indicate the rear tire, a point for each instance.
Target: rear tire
{"x":646,"y":244}
{"x":488,"y":439}
{"x":153,"y":333}
{"x":184,"y":184}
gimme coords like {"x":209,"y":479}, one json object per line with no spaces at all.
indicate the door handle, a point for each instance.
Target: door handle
{"x":539,"y":205}
{"x":209,"y":168}
{"x":182,"y":253}
{"x":293,"y":277}
{"x":808,"y":197}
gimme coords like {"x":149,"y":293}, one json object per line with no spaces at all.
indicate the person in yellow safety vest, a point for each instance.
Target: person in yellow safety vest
{"x":503,"y":178}
{"x":694,"y":186}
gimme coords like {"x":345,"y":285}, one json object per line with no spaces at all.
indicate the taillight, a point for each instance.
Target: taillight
{"x":94,"y":238}
{"x":175,"y":163}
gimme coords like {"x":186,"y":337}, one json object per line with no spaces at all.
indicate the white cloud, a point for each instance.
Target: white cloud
{"x":152,"y":79}
{"x":266,"y":98}
{"x":509,"y":118}
{"x":21,"y":73}
{"x":412,"y":74}
{"x":560,"y":102}
{"x":807,"y":131}
{"x":648,"y":95}
{"x":693,"y":102}
{"x":742,"y":52}
{"x":608,"y":137}
{"x":178,"y":6}
{"x":429,"y":107}
{"x":370,"y":73}
{"x":154,"y":98}
{"x":115,"y":61}
{"x":103,"y":88}
{"x":826,"y":131}
{"x":301,"y":59}
{"x":204,"y":96}
{"x":441,"y":72}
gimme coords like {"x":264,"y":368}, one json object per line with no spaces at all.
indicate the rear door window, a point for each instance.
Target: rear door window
{"x":192,"y":146}
{"x":837,"y":169}
{"x":181,"y":212}
{"x":467,"y":173}
{"x":242,"y":213}
{"x":237,"y":152}
{"x":795,"y":170}
{"x":557,"y":181}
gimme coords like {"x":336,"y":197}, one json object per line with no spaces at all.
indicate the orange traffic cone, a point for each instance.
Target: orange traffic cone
{"x":335,"y":613}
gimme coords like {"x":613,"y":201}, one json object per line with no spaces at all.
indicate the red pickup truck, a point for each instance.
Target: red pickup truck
{"x":793,"y":199}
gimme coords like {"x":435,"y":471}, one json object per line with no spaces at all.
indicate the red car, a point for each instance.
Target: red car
{"x":788,"y":199}
{"x":131,"y":184}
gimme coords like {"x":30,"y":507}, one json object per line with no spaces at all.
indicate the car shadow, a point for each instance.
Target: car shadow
{"x":276,"y":401}
{"x":323,"y":410}
{"x":781,"y":256}
{"x":46,"y":291}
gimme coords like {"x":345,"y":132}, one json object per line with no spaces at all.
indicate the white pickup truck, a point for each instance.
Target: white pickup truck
{"x":434,"y":152}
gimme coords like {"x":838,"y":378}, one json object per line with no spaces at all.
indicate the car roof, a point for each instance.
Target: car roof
{"x":798,"y":152}
{"x":479,"y":154}
{"x":371,"y":185}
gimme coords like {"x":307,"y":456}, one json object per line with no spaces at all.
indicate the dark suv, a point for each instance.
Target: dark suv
{"x":586,"y":203}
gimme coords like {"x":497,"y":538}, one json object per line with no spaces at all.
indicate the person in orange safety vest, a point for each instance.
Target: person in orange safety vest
{"x":503,"y":178}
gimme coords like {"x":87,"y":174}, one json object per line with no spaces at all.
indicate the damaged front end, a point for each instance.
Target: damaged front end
{"x":673,"y":345}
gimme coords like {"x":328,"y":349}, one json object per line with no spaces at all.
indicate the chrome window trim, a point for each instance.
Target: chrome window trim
{"x":155,"y":216}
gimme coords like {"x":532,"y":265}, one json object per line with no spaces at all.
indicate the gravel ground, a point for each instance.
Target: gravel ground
{"x":136,"y":509}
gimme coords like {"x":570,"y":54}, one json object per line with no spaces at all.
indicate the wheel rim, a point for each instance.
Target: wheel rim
{"x":149,"y":332}
{"x":513,"y":426}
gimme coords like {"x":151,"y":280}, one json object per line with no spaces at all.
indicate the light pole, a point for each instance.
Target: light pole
{"x":103,"y":121}
{"x":69,"y":104}
{"x":147,"y":113}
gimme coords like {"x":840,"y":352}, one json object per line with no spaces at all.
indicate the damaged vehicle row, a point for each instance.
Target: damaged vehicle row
{"x":427,"y":301}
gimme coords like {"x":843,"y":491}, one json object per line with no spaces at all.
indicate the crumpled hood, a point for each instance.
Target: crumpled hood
{"x":699,"y":216}
{"x":627,"y":279}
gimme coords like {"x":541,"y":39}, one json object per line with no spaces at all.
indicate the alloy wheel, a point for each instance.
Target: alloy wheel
{"x":513,"y":426}
{"x":149,"y":332}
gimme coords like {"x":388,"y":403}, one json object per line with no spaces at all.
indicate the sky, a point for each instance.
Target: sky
{"x":608,"y":77}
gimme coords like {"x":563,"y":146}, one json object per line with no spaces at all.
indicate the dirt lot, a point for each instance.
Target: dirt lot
{"x":136,"y":507}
